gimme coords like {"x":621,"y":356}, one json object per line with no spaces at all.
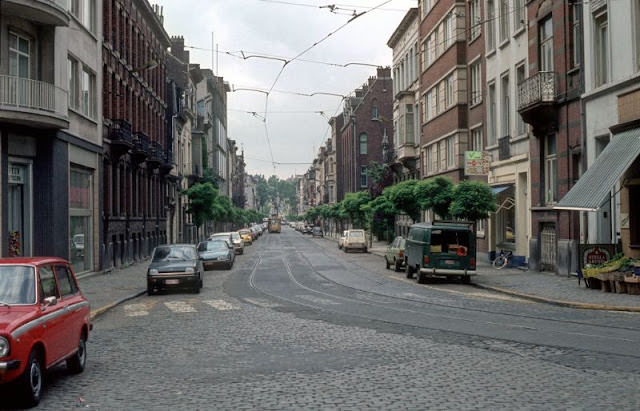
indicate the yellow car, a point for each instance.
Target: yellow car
{"x":245,"y":234}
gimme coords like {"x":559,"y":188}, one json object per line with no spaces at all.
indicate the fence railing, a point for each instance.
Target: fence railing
{"x":33,"y":95}
{"x":539,"y":88}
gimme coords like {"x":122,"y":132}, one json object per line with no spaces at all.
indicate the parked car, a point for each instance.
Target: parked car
{"x":227,"y":236}
{"x":44,"y":321}
{"x":216,"y":254}
{"x":441,"y":249}
{"x":316,"y":231}
{"x":238,"y":244}
{"x":174,"y":266}
{"x":307,"y":229}
{"x":355,"y":240}
{"x":245,"y":233}
{"x":341,"y":239}
{"x":394,"y":255}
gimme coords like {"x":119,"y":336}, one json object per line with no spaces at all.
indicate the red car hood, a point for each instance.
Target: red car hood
{"x":14,"y":316}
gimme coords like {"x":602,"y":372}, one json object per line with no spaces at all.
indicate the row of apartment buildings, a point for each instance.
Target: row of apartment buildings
{"x":539,"y":98}
{"x":103,"y":124}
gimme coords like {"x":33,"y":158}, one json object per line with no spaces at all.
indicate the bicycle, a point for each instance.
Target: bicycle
{"x":503,"y":259}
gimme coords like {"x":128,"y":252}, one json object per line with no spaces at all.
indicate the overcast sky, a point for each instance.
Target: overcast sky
{"x":293,"y":127}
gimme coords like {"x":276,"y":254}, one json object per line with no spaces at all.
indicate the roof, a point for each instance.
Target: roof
{"x":31,"y":260}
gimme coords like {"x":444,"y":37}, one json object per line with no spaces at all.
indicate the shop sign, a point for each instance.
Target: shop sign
{"x":476,"y":163}
{"x":16,"y":175}
{"x":595,"y":254}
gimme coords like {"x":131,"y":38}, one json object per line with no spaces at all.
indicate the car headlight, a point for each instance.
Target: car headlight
{"x":4,"y":347}
{"x":153,"y":271}
{"x":190,"y":270}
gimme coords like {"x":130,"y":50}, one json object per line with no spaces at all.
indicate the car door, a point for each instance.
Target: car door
{"x":52,"y":316}
{"x":75,"y":305}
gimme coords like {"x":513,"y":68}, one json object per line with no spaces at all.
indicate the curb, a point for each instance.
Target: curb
{"x":560,"y":303}
{"x":98,"y":312}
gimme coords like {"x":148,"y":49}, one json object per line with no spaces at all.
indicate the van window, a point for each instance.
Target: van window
{"x":449,"y":242}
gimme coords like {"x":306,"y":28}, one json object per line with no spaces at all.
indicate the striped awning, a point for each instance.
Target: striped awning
{"x":595,"y":186}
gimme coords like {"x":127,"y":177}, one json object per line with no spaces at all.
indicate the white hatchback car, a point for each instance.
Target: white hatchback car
{"x":355,"y":240}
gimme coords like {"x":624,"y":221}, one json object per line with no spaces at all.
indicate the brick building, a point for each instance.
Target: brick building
{"x":367,"y":117}
{"x":549,"y":101}
{"x":136,"y":158}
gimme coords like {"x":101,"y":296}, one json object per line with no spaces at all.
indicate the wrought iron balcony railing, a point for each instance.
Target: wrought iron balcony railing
{"x":120,"y":132}
{"x":542,"y":87}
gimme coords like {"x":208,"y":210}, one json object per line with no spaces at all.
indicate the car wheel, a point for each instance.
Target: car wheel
{"x":386,"y":263}
{"x":465,"y":279}
{"x":421,"y":277}
{"x":230,"y":266}
{"x":398,"y":265}
{"x":150,"y":291}
{"x":77,"y":362}
{"x":32,"y":380}
{"x":408,"y":271}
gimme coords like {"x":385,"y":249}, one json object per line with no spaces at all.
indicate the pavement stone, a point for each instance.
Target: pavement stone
{"x":105,"y":290}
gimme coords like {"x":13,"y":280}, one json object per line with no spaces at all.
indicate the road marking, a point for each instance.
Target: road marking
{"x":317,"y":300}
{"x":262,"y":302}
{"x":221,"y":305}
{"x":180,"y":307}
{"x":136,"y":310}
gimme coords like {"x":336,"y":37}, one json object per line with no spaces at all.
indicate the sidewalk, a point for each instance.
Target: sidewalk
{"x":109,"y":289}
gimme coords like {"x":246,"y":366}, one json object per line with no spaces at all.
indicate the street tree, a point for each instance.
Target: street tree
{"x":434,"y":194}
{"x":472,"y":201}
{"x":404,"y":198}
{"x":201,"y":198}
{"x":352,"y":206}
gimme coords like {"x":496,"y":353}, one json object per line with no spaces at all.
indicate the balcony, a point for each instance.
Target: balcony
{"x":156,"y":157}
{"x":141,"y":148}
{"x":537,"y":99}
{"x":407,"y":154}
{"x":44,"y":12}
{"x":168,"y":164}
{"x":121,"y":137}
{"x":33,"y":103}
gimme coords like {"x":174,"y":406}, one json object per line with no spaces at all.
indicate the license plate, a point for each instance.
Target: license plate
{"x":172,"y":282}
{"x":449,"y":262}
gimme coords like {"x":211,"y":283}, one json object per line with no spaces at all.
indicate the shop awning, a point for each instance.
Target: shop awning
{"x":594,"y":187}
{"x":499,"y":189}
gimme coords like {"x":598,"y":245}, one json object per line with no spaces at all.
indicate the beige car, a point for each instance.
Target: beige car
{"x":355,"y":240}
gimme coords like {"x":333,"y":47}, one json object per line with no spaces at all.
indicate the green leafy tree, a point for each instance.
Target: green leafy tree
{"x":435,"y":194}
{"x":473,"y":201}
{"x":353,"y":207}
{"x":201,"y":198}
{"x":403,"y":197}
{"x":381,"y":212}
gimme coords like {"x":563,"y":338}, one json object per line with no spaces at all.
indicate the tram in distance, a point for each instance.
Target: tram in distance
{"x":275,"y":223}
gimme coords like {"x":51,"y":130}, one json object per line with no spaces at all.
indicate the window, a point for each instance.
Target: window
{"x":506,"y":106}
{"x":425,"y":54}
{"x":410,"y":126}
{"x":65,"y":281}
{"x":476,"y":139}
{"x":80,"y":217}
{"x":449,"y":33}
{"x":85,"y":12}
{"x":449,"y":99}
{"x":546,"y":45}
{"x":427,"y":5}
{"x":430,"y":104}
{"x":504,"y":20}
{"x":491,"y":137}
{"x":550,"y":170}
{"x":519,"y":14}
{"x":601,"y":52}
{"x":634,"y":215}
{"x":73,"y":82}
{"x":19,"y":56}
{"x":636,"y":27}
{"x":476,"y":83}
{"x":48,"y":286}
{"x":430,"y":162}
{"x":491,"y":26}
{"x":575,"y":34}
{"x":520,"y":77}
{"x":363,"y":143}
{"x":374,"y":112}
{"x":451,"y":146}
{"x":475,"y":19}
{"x":88,"y":93}
{"x":363,"y":176}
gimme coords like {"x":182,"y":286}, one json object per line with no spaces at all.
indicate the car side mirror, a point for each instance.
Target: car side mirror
{"x":50,"y":301}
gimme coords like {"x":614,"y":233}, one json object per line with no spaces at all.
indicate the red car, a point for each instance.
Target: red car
{"x":44,"y":320}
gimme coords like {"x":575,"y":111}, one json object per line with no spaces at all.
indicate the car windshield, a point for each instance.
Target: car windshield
{"x":213,"y":245}
{"x":356,"y":234}
{"x":235,"y":236}
{"x":174,"y":253}
{"x":245,"y":232}
{"x":17,"y":285}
